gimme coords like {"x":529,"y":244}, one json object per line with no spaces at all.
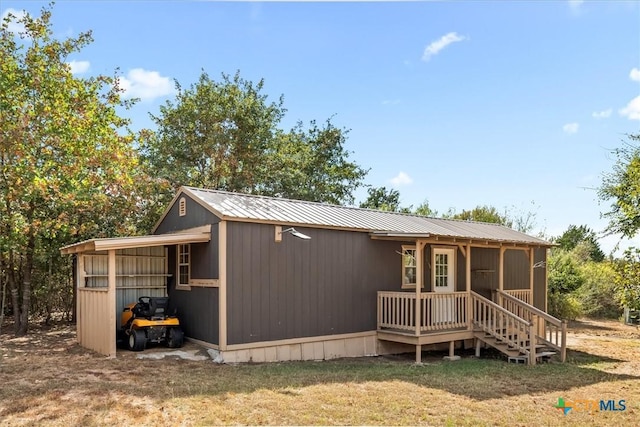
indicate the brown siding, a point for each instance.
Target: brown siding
{"x":197,"y":308}
{"x":295,"y":288}
{"x":196,"y":216}
{"x":516,"y":269}
{"x":540,"y":280}
{"x":484,"y":270}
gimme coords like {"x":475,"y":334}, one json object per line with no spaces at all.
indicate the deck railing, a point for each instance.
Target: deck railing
{"x":549,"y":330}
{"x":503,"y":325}
{"x":522,"y":294}
{"x":438,"y":311}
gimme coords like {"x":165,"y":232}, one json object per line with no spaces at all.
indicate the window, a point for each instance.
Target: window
{"x":182,"y":206}
{"x":184,"y":258}
{"x":409,"y":267}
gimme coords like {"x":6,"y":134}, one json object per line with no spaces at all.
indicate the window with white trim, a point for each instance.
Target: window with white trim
{"x":184,"y":266}
{"x":409,"y":267}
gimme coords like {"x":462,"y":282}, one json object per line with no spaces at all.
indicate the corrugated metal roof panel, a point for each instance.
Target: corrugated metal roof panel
{"x":262,"y":208}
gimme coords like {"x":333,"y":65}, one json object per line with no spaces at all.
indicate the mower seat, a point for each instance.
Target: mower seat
{"x":158,"y":306}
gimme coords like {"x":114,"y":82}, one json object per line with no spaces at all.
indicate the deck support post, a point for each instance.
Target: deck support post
{"x":563,"y":349}
{"x":418,"y":353}
{"x":452,"y":348}
{"x":478,"y":344}
{"x":533,"y":341}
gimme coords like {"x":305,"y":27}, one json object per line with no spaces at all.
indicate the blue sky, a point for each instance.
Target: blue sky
{"x":465,"y":103}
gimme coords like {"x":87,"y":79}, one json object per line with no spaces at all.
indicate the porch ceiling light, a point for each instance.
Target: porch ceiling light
{"x":296,"y":233}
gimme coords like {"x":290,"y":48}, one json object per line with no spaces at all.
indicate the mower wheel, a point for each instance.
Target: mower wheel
{"x":175,"y":338}
{"x":137,"y":340}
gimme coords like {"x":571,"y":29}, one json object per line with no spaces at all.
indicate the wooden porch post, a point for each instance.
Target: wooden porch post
{"x":501,"y":275}
{"x":111,"y":301}
{"x":419,"y":282}
{"x":80,"y":281}
{"x":467,"y":259}
{"x":532,"y":256}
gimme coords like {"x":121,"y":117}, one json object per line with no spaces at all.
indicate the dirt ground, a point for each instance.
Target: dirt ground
{"x":46,"y":378}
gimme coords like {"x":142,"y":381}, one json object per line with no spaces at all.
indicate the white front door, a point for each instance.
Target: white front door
{"x":443,"y":278}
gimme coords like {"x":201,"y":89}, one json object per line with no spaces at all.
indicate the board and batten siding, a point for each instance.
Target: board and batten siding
{"x":304,"y":288}
{"x":197,"y":308}
{"x":485,"y":272}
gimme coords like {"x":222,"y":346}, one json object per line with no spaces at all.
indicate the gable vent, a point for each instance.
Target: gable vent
{"x":182,"y":208}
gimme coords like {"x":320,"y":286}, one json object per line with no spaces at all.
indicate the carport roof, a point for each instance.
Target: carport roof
{"x":194,"y":235}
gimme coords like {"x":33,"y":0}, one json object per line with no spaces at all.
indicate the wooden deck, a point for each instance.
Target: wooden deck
{"x":512,"y":326}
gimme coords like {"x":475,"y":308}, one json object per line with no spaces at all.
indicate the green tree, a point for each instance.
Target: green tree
{"x":424,"y":209}
{"x":621,"y":188}
{"x":598,"y":294}
{"x":564,"y":277}
{"x":225,"y":135}
{"x":66,"y":157}
{"x":382,"y":198}
{"x":483,"y":214}
{"x":582,"y":235}
{"x":628,"y":280}
{"x":311,"y":164}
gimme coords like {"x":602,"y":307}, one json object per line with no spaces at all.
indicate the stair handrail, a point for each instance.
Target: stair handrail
{"x":561,"y":325}
{"x":526,"y":325}
{"x":531,"y":308}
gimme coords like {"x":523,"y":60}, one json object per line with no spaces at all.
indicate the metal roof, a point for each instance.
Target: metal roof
{"x":245,"y":207}
{"x":198,"y":234}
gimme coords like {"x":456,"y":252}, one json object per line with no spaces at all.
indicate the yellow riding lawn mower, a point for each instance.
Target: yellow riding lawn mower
{"x":149,"y":321}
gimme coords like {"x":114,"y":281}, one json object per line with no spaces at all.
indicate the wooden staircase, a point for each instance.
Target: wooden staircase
{"x":517,"y":329}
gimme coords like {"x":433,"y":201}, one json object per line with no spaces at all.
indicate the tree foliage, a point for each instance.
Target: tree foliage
{"x":66,"y":158}
{"x":583,"y":238}
{"x":628,"y":280}
{"x":383,"y":199}
{"x":484,"y":213}
{"x":621,"y":188}
{"x":225,"y":135}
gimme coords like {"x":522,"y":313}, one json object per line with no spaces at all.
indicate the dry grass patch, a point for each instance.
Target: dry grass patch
{"x":47,"y":379}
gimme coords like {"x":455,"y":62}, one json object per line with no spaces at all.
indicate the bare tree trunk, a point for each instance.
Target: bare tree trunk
{"x":3,"y":283}
{"x":15,"y":295}
{"x":26,"y":284}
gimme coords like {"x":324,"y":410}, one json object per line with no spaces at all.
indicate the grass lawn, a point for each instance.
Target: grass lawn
{"x":47,"y":379}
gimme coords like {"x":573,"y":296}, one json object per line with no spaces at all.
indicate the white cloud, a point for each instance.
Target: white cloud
{"x":435,"y":47}
{"x":146,"y":85}
{"x":401,"y":179}
{"x":604,"y":114}
{"x":575,"y":4}
{"x":14,"y":26}
{"x":632,"y":110}
{"x":570,"y":128}
{"x":391,"y":102}
{"x":635,"y":75}
{"x":79,"y":67}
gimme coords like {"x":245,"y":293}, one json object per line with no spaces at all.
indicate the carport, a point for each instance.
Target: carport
{"x":110,"y":273}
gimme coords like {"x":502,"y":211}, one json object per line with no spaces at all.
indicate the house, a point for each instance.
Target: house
{"x":269,"y":279}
